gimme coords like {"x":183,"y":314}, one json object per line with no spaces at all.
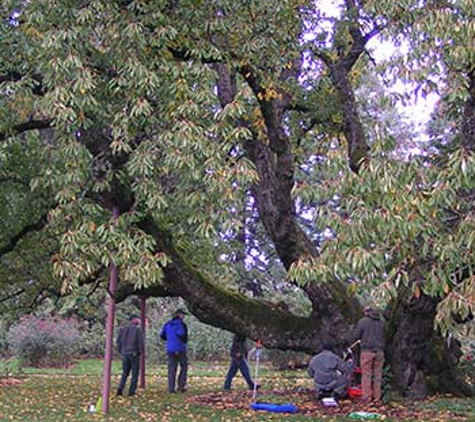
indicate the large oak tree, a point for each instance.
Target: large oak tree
{"x":181,"y":114}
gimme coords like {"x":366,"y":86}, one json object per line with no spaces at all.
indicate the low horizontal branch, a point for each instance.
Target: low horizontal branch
{"x":13,"y":241}
{"x":25,"y":127}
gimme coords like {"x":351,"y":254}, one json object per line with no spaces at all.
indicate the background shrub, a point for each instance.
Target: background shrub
{"x":3,"y":339}
{"x":44,"y":342}
{"x":93,"y":341}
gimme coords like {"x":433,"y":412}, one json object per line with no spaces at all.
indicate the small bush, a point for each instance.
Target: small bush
{"x":41,"y":342}
{"x":207,"y":343}
{"x":93,"y":341}
{"x":7,"y":367}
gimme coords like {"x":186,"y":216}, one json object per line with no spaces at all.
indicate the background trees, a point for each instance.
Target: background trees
{"x":216,"y":125}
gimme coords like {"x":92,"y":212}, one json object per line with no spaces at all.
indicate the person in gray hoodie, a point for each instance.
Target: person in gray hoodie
{"x":330,"y":373}
{"x":370,"y":332}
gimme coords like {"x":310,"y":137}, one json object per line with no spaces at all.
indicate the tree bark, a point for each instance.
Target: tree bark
{"x":468,"y":115}
{"x":358,"y":148}
{"x":422,"y":361}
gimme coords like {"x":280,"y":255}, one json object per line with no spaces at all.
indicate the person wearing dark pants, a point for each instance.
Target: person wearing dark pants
{"x":370,"y":330}
{"x":238,"y":362}
{"x":130,"y":363}
{"x":130,"y":343}
{"x":175,"y":332}
{"x":173,"y":360}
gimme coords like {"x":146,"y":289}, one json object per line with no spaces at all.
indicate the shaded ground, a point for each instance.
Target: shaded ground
{"x":309,"y":406}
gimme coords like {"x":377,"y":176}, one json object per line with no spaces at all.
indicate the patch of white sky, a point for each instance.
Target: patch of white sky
{"x":417,"y":109}
{"x":15,"y":16}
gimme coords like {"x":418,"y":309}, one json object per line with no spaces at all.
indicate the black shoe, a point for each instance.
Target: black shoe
{"x":182,"y":390}
{"x":131,"y":394}
{"x":119,"y":393}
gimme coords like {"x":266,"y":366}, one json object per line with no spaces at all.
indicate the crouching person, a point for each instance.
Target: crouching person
{"x":330,"y":373}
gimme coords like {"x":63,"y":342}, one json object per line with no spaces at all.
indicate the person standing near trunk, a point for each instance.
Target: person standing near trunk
{"x":130,"y":344}
{"x":238,"y":362}
{"x":370,"y":332}
{"x":175,"y":332}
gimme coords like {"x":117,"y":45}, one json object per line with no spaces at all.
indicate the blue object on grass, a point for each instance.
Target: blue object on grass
{"x":278,"y":408}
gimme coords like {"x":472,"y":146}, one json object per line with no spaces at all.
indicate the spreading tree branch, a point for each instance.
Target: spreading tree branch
{"x":25,"y":127}
{"x":13,"y":241}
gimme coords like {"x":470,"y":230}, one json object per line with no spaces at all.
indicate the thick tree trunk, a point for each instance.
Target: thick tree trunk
{"x":277,"y":213}
{"x":273,"y":192}
{"x":422,"y":361}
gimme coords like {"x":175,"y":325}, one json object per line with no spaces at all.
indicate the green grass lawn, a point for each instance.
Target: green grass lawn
{"x":48,"y":395}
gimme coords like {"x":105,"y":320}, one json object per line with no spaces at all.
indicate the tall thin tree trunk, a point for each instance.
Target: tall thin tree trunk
{"x":106,"y":383}
{"x":143,"y":325}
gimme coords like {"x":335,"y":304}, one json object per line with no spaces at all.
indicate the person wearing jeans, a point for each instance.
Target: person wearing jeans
{"x":130,"y":343}
{"x":175,"y":332}
{"x":370,"y":332}
{"x":238,"y":362}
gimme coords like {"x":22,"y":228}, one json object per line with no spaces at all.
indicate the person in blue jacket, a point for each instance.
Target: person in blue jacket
{"x":175,"y":332}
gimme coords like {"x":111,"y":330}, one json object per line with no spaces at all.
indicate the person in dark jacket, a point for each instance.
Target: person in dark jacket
{"x":330,"y":373}
{"x":175,"y":332}
{"x":370,"y":332}
{"x":238,"y":362}
{"x":130,"y":344}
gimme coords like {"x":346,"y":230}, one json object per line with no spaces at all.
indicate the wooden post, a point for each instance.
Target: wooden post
{"x":106,"y":382}
{"x":143,"y":321}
